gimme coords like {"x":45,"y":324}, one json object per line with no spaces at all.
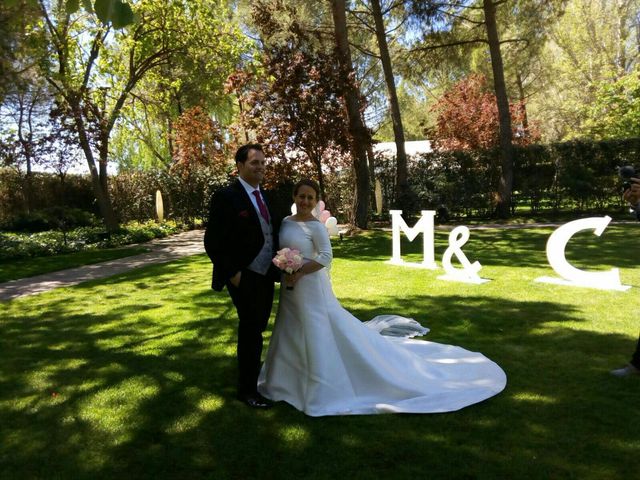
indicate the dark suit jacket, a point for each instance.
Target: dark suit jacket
{"x":233,"y":237}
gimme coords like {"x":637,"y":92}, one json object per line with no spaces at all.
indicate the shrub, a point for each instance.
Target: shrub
{"x":187,"y":193}
{"x":47,"y":190}
{"x":576,"y":175}
{"x":185,"y":196}
{"x":28,"y":222}
{"x":138,"y":232}
{"x":52,"y":218}
{"x":21,"y":245}
{"x":133,"y":195}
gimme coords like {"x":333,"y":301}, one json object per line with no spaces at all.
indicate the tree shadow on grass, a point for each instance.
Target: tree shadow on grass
{"x":144,"y":396}
{"x":144,"y":392}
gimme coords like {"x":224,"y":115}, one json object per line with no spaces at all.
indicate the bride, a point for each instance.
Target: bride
{"x":324,"y":361}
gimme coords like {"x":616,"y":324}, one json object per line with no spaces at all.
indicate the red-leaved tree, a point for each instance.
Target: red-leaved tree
{"x":200,"y":161}
{"x":467,"y":118}
{"x":197,"y":141}
{"x":295,"y":106}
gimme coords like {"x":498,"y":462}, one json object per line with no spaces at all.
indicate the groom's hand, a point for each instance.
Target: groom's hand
{"x":235,"y":280}
{"x":632,"y":194}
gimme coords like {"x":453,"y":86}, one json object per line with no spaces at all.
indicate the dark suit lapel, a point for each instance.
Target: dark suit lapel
{"x":248,"y":204}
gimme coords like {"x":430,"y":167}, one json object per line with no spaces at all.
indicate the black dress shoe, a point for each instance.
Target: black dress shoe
{"x":255,"y":400}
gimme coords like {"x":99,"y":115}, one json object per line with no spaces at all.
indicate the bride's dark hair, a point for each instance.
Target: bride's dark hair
{"x":309,"y":183}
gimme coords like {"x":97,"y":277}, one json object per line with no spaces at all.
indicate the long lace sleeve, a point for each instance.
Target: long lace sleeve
{"x":320,"y":238}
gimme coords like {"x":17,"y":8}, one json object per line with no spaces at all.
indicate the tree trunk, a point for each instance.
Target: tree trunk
{"x":317,"y":161}
{"x":371,"y":160}
{"x":523,"y":105}
{"x":26,"y":144}
{"x":506,"y":148}
{"x":170,"y":138}
{"x":359,"y":134}
{"x":102,"y":163}
{"x":402,"y":183}
{"x":97,"y":179}
{"x":244,"y":128}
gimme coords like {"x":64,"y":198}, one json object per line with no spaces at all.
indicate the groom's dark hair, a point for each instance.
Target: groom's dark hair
{"x":243,"y":152}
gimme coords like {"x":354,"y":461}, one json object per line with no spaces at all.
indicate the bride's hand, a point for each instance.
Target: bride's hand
{"x":294,"y":277}
{"x":288,"y":279}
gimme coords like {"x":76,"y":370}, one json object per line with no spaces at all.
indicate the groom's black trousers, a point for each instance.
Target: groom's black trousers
{"x":635,"y":359}
{"x":253,"y":300}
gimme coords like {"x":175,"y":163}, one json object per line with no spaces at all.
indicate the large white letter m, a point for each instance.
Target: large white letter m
{"x":424,"y":226}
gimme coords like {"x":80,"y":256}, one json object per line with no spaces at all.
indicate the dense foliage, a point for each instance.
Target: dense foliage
{"x":294,"y":104}
{"x":467,"y":118}
{"x":575,"y":176}
{"x":185,"y":199}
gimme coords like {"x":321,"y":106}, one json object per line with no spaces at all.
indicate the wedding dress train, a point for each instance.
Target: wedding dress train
{"x":324,"y":361}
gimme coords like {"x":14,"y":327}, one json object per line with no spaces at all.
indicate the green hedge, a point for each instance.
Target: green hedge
{"x":581,"y":175}
{"x":578,"y":176}
{"x":185,"y":197}
{"x":46,"y":190}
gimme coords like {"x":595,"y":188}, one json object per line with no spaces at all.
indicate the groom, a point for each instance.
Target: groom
{"x":241,"y":239}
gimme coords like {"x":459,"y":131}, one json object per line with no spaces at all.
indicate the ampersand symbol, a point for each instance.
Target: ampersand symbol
{"x":457,"y":238}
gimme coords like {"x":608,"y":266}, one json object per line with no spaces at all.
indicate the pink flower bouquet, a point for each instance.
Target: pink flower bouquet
{"x":288,"y":260}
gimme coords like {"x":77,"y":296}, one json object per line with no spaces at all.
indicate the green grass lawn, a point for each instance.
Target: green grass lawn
{"x":28,"y":267}
{"x":133,"y":376}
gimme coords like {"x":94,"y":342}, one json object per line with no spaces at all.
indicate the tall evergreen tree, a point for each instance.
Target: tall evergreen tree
{"x":441,"y":18}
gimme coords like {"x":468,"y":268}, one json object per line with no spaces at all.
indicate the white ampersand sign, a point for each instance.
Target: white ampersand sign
{"x":469,"y":271}
{"x":572,"y":276}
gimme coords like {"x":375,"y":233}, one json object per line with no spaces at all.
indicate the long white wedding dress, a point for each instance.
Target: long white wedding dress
{"x":324,"y":361}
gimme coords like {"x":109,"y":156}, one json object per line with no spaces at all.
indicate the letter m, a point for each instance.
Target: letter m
{"x":424,"y":226}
